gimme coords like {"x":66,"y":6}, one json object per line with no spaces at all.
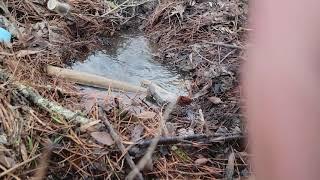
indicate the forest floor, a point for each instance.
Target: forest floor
{"x":49,"y":129}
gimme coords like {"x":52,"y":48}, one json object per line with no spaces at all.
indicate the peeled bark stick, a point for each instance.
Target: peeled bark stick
{"x":44,"y":103}
{"x":92,"y":80}
{"x":160,"y":95}
{"x":51,"y":106}
{"x":58,"y":7}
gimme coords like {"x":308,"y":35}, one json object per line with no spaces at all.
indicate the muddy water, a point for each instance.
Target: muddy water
{"x":129,"y":58}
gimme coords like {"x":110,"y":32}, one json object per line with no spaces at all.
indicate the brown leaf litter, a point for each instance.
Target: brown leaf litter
{"x":205,"y":38}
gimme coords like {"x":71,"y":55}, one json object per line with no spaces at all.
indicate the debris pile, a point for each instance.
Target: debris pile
{"x":206,"y":39}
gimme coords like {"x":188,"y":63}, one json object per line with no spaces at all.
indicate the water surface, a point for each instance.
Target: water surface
{"x":129,"y":58}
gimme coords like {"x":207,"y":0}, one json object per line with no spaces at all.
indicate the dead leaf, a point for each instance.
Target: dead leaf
{"x":84,"y":127}
{"x":137,"y":132}
{"x":147,"y":115}
{"x":56,"y":34}
{"x":171,"y":127}
{"x":215,"y":100}
{"x":88,"y":104}
{"x":201,"y":161}
{"x":23,"y":53}
{"x":23,"y":151}
{"x":8,"y":162}
{"x":185,"y":132}
{"x":203,"y":91}
{"x":184,"y":100}
{"x":103,"y":138}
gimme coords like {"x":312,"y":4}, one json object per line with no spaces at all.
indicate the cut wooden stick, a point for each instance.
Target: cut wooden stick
{"x":58,"y":7}
{"x":92,"y":80}
{"x":160,"y":95}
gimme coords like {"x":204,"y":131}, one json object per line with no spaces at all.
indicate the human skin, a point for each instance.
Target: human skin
{"x":282,"y":93}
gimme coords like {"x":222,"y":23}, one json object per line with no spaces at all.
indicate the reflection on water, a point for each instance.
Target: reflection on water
{"x":129,"y":59}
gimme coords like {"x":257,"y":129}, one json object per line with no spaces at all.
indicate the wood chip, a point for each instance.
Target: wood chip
{"x":230,"y":167}
{"x":147,"y":115}
{"x":24,"y":152}
{"x":103,"y":138}
{"x":84,"y":127}
{"x":8,"y":162}
{"x":23,"y":53}
{"x":201,"y":161}
{"x":215,"y":100}
{"x":137,"y":132}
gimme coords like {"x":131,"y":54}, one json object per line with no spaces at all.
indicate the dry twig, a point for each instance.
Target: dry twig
{"x":121,"y":147}
{"x":198,"y":137}
{"x":146,"y":158}
{"x":19,"y":165}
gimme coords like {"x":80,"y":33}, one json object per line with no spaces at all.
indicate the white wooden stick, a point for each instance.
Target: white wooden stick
{"x":92,"y":80}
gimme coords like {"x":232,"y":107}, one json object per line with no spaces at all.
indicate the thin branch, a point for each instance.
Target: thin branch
{"x":197,"y":137}
{"x":121,"y":147}
{"x":69,"y":115}
{"x":114,"y":9}
{"x":153,"y":144}
{"x":225,"y":45}
{"x":10,"y":174}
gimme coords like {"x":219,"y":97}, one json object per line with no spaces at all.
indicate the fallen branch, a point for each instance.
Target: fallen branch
{"x":92,"y":80}
{"x":198,"y":137}
{"x":52,"y":107}
{"x":44,"y":103}
{"x":226,"y":45}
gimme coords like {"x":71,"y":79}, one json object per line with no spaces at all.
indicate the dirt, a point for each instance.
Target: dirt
{"x":203,"y":38}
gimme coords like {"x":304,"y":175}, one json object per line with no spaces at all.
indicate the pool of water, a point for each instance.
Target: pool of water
{"x":129,"y":58}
